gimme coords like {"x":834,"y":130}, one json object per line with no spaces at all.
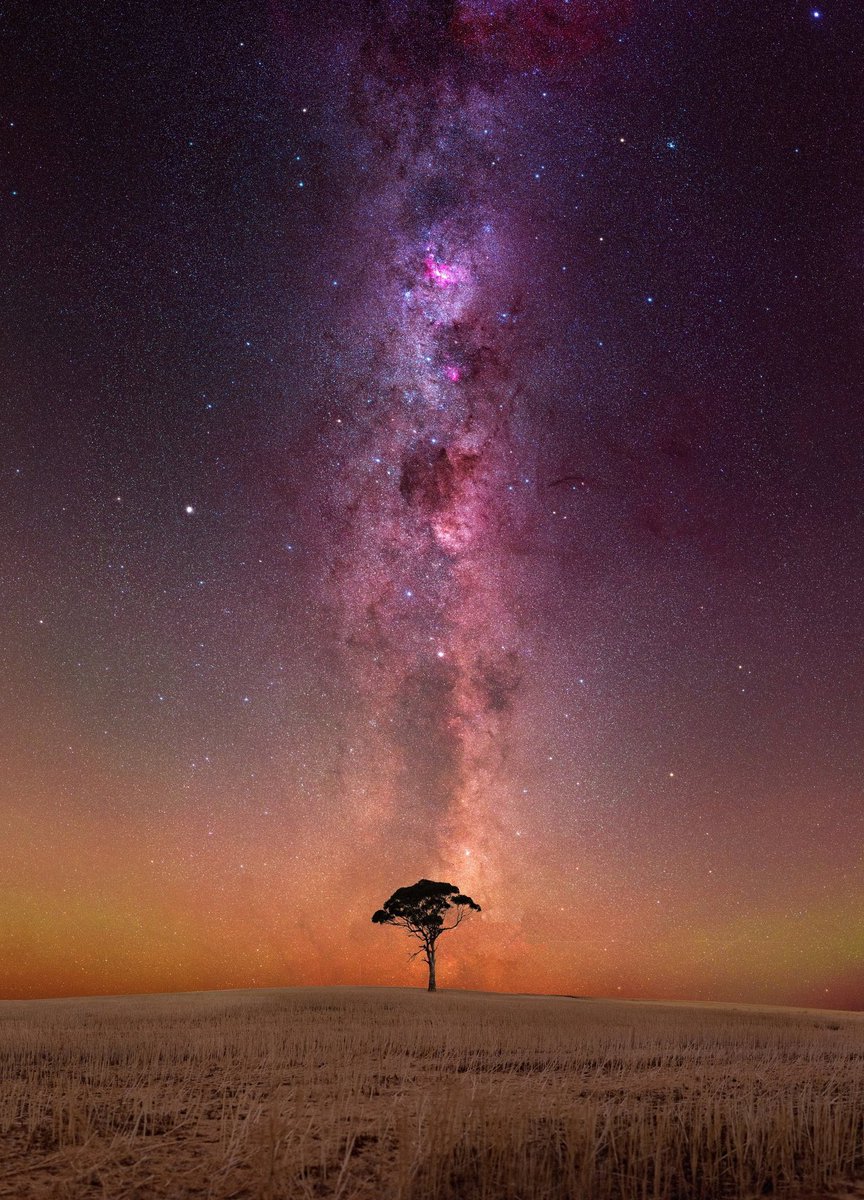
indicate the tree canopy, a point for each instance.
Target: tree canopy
{"x":423,"y":910}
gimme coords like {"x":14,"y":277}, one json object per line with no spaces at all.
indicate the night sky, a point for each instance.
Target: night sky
{"x":432,"y":446}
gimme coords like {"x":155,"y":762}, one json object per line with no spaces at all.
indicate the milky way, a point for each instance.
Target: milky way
{"x":442,"y":482}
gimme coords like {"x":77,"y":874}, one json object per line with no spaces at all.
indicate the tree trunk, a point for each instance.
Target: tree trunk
{"x":430,"y":959}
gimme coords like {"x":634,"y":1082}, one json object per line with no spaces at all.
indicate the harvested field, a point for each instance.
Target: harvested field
{"x":387,"y":1093}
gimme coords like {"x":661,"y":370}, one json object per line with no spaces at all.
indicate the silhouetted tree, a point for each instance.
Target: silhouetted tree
{"x":422,"y":910}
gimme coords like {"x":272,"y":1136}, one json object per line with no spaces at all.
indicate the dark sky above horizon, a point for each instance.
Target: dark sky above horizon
{"x":432,"y":446}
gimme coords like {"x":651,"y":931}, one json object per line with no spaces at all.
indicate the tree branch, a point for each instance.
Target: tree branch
{"x":460,"y":916}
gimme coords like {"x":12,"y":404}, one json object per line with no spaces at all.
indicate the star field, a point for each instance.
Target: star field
{"x":432,"y":448}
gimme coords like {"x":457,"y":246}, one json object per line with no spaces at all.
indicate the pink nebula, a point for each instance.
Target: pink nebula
{"x":441,"y":274}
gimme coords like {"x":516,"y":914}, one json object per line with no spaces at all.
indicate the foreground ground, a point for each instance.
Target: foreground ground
{"x":388,"y":1094}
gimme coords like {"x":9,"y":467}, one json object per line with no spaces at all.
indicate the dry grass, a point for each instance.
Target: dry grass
{"x":392,"y":1094}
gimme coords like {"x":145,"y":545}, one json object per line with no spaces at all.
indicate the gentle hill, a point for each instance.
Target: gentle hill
{"x":391,"y":1092}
